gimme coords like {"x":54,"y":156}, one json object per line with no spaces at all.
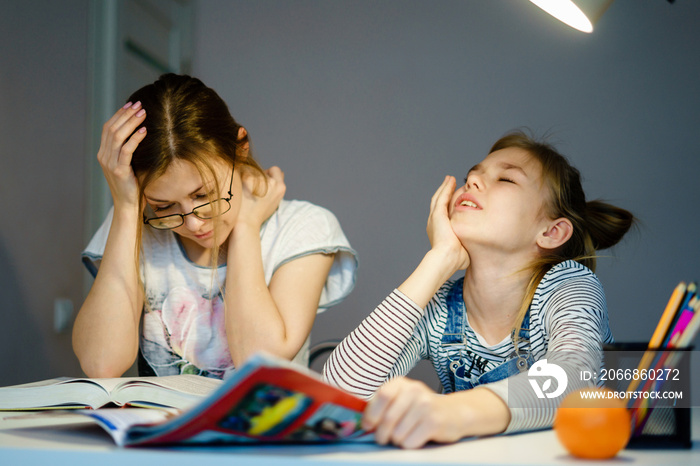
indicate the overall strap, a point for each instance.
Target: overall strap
{"x":455,"y":326}
{"x":524,"y":332}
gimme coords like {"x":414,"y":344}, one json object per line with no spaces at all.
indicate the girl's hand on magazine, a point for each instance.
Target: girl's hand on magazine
{"x":408,"y":414}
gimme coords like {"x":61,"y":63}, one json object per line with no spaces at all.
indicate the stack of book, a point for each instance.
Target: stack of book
{"x":266,"y":400}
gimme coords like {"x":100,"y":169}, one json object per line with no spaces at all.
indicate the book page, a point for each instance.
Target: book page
{"x":43,"y":418}
{"x":53,"y":393}
{"x":41,"y":383}
{"x":118,"y":421}
{"x":187,"y":383}
{"x":177,"y":390}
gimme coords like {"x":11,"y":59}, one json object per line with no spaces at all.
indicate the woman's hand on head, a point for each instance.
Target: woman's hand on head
{"x":440,"y":232}
{"x":256,"y":209}
{"x":117,"y":146}
{"x":408,"y":414}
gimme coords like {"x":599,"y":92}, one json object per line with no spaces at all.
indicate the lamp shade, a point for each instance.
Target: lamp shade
{"x":579,"y":14}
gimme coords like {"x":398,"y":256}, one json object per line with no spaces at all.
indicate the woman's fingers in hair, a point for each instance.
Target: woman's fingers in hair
{"x":120,"y":138}
{"x":130,"y":146}
{"x":116,"y":133}
{"x":123,"y":122}
{"x":275,"y":173}
{"x":275,"y":181}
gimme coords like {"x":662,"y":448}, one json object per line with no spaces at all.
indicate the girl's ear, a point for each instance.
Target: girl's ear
{"x":557,"y":233}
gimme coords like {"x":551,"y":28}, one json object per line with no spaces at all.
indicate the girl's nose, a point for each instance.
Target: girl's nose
{"x":473,"y":182}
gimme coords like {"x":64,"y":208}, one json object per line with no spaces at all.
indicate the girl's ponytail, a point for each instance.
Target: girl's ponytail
{"x":606,"y":223}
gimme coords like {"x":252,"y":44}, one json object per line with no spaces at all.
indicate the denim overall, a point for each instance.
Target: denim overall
{"x":461,"y":366}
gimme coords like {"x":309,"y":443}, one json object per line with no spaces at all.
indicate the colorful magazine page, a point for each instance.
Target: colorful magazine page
{"x":267,"y":400}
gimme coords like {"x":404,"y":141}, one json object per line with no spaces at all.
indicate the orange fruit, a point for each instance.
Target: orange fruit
{"x":593,"y":428}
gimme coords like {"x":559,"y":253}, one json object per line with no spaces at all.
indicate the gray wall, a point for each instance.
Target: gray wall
{"x":43,"y":107}
{"x":366,"y":106}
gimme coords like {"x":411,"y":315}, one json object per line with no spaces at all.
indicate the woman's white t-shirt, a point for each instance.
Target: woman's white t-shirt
{"x":182,"y":328}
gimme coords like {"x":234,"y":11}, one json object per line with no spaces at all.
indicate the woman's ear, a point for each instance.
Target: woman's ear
{"x":557,"y":233}
{"x":243,"y":136}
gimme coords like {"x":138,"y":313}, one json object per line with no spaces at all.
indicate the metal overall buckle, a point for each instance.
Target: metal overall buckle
{"x":521,"y":363}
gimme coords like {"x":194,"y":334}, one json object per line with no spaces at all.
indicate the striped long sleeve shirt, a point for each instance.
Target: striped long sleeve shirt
{"x":568,"y":325}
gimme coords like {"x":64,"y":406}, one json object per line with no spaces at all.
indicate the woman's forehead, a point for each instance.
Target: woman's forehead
{"x":186,"y":176}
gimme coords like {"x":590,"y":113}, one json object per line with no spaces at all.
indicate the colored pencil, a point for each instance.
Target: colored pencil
{"x":667,"y":317}
{"x":690,"y":294}
{"x":661,"y":330}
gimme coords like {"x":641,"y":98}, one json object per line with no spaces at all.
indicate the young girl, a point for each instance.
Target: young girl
{"x":201,"y":262}
{"x":522,"y":229}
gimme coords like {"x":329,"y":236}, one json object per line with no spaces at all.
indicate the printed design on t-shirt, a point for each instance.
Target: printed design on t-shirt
{"x":185,"y":334}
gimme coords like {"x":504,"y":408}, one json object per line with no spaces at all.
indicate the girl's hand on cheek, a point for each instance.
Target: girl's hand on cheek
{"x":407,"y":413}
{"x":254,"y":209}
{"x":117,"y":146}
{"x":440,"y":232}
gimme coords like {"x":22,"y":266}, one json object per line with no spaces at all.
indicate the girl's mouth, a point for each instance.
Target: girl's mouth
{"x":466,"y":200}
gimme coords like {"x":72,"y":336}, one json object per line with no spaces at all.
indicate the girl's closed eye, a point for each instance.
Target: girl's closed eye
{"x":507,"y":180}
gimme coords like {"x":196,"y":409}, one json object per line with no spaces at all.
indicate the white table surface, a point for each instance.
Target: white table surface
{"x":78,"y":441}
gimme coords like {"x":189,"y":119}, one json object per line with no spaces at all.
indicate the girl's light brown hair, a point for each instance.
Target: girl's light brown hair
{"x":596,"y":224}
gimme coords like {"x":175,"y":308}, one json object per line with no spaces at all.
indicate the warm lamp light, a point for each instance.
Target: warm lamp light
{"x":579,"y":14}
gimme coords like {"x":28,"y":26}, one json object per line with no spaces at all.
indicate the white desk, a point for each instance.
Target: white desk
{"x":82,"y":443}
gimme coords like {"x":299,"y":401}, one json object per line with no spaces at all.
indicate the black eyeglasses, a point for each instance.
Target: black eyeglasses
{"x":205,"y":212}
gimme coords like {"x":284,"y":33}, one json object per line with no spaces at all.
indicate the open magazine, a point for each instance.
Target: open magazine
{"x":266,"y":400}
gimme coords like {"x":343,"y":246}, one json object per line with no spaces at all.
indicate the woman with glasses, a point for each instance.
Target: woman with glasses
{"x":201,"y":261}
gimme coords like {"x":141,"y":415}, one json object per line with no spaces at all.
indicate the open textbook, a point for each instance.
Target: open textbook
{"x":266,"y":400}
{"x":175,"y":391}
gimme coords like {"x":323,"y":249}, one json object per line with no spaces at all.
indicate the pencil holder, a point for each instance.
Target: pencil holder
{"x":656,"y":385}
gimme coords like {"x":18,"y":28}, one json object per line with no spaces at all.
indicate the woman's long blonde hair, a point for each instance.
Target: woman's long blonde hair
{"x":188,"y":121}
{"x":596,"y":224}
